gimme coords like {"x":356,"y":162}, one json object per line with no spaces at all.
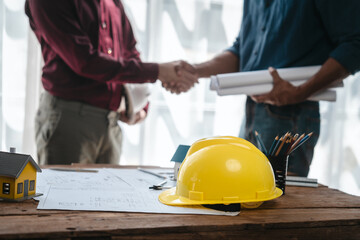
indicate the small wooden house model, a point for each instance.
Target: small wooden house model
{"x":179,"y":157}
{"x":17,"y":176}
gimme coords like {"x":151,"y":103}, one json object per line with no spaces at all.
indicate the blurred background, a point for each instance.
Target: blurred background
{"x":167,"y":30}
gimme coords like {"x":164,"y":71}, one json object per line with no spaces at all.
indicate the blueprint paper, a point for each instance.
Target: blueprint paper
{"x":253,"y":89}
{"x":324,"y":95}
{"x":261,"y":82}
{"x":214,"y":83}
{"x":122,"y":190}
{"x":259,"y":88}
{"x":263,"y":76}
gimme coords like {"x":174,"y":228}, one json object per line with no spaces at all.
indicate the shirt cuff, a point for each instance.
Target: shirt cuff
{"x":150,"y":72}
{"x":233,"y":50}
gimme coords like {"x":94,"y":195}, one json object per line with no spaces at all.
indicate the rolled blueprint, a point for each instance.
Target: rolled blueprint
{"x":324,"y":95}
{"x":260,"y":82}
{"x":238,"y":79}
{"x":262,"y":88}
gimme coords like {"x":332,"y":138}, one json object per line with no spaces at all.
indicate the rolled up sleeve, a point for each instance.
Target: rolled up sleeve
{"x":342,"y":22}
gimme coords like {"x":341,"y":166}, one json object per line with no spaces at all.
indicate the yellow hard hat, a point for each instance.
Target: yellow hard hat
{"x":223,"y":170}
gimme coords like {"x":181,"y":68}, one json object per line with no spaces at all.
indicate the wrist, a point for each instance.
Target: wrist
{"x":160,"y":71}
{"x":302,"y":93}
{"x":201,"y":70}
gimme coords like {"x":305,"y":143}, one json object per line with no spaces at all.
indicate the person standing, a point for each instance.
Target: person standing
{"x":89,"y":54}
{"x":280,"y":34}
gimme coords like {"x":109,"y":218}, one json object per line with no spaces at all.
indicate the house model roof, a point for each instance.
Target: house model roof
{"x":180,"y":153}
{"x":12,"y":164}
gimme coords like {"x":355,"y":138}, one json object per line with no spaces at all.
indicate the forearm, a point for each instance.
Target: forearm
{"x":284,"y":93}
{"x":330,"y":72}
{"x":225,"y":62}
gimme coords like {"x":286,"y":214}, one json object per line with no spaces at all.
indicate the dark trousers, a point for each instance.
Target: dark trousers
{"x":271,"y":121}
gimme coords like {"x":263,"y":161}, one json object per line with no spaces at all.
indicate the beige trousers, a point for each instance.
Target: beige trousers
{"x":72,"y":132}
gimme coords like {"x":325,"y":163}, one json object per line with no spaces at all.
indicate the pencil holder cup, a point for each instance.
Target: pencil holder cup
{"x":280,"y":166}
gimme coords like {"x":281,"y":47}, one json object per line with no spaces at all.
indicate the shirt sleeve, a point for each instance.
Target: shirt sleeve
{"x":57,"y":21}
{"x":342,"y":22}
{"x":235,"y":48}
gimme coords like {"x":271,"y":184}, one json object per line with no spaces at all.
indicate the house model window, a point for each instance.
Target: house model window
{"x":20,"y":188}
{"x":32,"y":185}
{"x":6,"y":188}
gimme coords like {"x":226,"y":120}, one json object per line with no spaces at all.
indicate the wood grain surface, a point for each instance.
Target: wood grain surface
{"x":303,"y":213}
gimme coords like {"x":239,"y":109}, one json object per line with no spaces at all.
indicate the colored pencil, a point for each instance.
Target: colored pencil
{"x":260,"y":142}
{"x":273,"y":144}
{"x":301,"y":142}
{"x":277,"y":146}
{"x":297,"y":142}
{"x":282,"y":144}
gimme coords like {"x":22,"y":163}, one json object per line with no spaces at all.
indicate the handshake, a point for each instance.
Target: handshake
{"x":178,"y":76}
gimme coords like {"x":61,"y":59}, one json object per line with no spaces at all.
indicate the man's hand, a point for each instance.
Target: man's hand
{"x":178,"y":76}
{"x":139,"y":117}
{"x":282,"y":93}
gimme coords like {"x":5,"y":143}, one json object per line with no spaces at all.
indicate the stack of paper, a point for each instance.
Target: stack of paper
{"x":301,"y":181}
{"x":260,"y":82}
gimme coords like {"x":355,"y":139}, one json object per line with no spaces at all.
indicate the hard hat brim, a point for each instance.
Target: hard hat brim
{"x":169,"y":197}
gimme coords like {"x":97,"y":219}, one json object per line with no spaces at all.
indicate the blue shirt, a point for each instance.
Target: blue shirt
{"x":291,"y":33}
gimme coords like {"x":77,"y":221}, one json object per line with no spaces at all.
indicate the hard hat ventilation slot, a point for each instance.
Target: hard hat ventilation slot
{"x":197,"y":196}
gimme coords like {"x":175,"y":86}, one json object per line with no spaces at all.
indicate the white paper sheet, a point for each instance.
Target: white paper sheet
{"x":137,"y":97}
{"x":260,"y":82}
{"x":263,"y":76}
{"x":325,"y":95}
{"x":123,"y":190}
{"x":214,"y":85}
{"x":251,"y":89}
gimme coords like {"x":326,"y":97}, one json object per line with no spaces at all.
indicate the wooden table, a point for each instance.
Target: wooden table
{"x":303,"y":213}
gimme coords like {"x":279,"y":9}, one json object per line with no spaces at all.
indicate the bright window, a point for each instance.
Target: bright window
{"x":6,"y":188}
